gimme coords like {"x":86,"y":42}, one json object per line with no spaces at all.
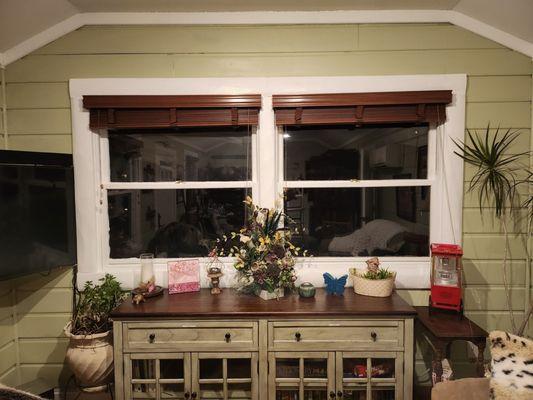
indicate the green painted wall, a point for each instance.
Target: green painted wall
{"x":499,"y":90}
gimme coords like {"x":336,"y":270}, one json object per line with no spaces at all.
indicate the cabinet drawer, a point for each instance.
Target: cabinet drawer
{"x":191,"y":336}
{"x":336,"y":335}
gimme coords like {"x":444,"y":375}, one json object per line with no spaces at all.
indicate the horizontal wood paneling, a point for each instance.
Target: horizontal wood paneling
{"x":47,"y":143}
{"x":10,"y":377}
{"x":7,"y":331}
{"x":51,"y":372}
{"x":47,"y":325}
{"x":206,"y":39}
{"x":58,"y":278}
{"x":475,"y":221}
{"x":488,"y":273}
{"x":491,"y":246}
{"x":33,"y":351}
{"x":39,"y":121}
{"x":505,"y":114}
{"x":52,"y":300}
{"x":38,"y":95}
{"x":482,"y":298}
{"x":54,"y":68}
{"x":520,"y":144}
{"x":8,"y":357}
{"x":499,"y":88}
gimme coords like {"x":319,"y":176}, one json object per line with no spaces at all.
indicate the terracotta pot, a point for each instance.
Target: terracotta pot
{"x":90,"y":357}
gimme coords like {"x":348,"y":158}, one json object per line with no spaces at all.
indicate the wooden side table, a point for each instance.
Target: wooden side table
{"x":441,"y":329}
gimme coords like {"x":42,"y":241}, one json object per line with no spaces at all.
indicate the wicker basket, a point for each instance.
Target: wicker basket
{"x":372,"y":287}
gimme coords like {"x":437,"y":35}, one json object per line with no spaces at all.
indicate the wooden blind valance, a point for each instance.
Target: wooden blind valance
{"x":362,"y":108}
{"x":172,"y":111}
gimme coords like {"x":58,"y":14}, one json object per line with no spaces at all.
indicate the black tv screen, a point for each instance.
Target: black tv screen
{"x":37,"y":214}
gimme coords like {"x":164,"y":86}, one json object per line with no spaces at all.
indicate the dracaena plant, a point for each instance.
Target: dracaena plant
{"x":496,"y":180}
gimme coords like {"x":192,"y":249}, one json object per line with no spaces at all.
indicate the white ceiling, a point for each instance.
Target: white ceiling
{"x":23,"y":19}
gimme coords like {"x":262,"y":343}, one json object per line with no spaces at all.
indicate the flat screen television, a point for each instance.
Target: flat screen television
{"x":37,"y":214}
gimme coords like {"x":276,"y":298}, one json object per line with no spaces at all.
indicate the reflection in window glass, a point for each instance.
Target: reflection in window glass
{"x":342,"y":152}
{"x":172,"y":223}
{"x":189,"y":154}
{"x":388,"y":221}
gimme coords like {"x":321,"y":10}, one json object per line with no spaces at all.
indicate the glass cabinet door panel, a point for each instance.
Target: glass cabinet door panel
{"x":240,"y":391}
{"x":213,"y":391}
{"x":383,"y":393}
{"x":239,"y":368}
{"x":287,"y":394}
{"x":316,"y":368}
{"x":287,"y":368}
{"x":355,"y":393}
{"x":172,"y":391}
{"x":143,"y":391}
{"x":143,"y":369}
{"x":383,"y":368}
{"x":210,"y":369}
{"x":315,"y":394}
{"x":171,"y":369}
{"x":354,"y":367}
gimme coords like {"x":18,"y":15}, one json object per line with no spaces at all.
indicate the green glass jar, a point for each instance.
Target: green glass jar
{"x":306,"y":290}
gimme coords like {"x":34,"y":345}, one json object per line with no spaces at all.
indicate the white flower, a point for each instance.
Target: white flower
{"x":260,"y":219}
{"x":245,"y":239}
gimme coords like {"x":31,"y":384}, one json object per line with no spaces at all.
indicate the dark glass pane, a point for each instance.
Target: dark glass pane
{"x":239,"y":368}
{"x":211,"y":369}
{"x":383,"y":367}
{"x":172,"y":391}
{"x":143,"y":369}
{"x":355,"y":393}
{"x":211,"y":391}
{"x":315,"y":394}
{"x":354,"y":368}
{"x":143,"y":391}
{"x":172,"y":223}
{"x":171,"y":369}
{"x":383,"y":393}
{"x":315,"y":368}
{"x":287,"y":394}
{"x":189,"y":154}
{"x":242,"y":391}
{"x":287,"y":368}
{"x":347,"y":152}
{"x":389,"y":221}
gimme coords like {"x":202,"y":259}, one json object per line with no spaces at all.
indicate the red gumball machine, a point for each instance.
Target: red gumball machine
{"x":446,"y":277}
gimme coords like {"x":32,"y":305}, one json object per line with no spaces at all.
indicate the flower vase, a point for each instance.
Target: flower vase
{"x":276,"y":294}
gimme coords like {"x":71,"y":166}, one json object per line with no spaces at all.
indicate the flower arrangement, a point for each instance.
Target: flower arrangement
{"x":265,"y":256}
{"x":374,"y":271}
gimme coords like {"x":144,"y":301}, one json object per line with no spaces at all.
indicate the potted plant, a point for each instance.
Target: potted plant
{"x":265,"y":256}
{"x":496,"y":179}
{"x":90,"y":350}
{"x":375,"y":281}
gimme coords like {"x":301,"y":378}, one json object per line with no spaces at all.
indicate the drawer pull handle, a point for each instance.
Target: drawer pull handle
{"x":339,"y":393}
{"x":332,"y":394}
{"x":227,"y":336}
{"x":193,"y":395}
{"x":151,"y":338}
{"x":187,"y":395}
{"x":298,"y":336}
{"x":374,"y":336}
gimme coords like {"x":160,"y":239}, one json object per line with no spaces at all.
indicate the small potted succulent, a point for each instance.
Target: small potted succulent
{"x":375,"y":281}
{"x":90,"y":350}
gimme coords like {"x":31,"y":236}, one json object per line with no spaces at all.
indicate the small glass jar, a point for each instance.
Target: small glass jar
{"x":306,"y":289}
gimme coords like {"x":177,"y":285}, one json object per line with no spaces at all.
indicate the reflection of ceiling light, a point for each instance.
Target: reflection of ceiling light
{"x":286,"y":136}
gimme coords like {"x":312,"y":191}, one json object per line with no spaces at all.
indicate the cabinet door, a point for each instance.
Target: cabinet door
{"x":369,"y":375}
{"x":224,"y":376}
{"x":157,"y":376}
{"x":301,"y":375}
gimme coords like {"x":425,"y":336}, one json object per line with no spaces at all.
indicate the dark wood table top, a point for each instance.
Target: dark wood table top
{"x":230,"y":304}
{"x":446,"y":325}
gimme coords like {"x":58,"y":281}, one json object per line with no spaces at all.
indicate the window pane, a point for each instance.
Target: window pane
{"x":172,"y":223}
{"x":190,"y":154}
{"x":347,"y":152}
{"x":389,"y":221}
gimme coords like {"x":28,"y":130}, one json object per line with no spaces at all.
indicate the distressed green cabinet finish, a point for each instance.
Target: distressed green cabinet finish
{"x":231,"y":346}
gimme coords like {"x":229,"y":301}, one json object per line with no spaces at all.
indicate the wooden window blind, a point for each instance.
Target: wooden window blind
{"x":362,"y":108}
{"x":172,"y":111}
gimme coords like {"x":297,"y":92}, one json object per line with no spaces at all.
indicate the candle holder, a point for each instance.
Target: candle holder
{"x":146,"y":286}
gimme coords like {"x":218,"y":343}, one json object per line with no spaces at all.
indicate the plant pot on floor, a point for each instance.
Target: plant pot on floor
{"x":90,"y":358}
{"x":372,"y":287}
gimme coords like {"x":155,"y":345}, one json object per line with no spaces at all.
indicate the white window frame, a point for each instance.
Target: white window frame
{"x":91,"y":165}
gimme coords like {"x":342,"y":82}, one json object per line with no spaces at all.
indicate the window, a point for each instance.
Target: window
{"x":171,"y":180}
{"x":323,"y":167}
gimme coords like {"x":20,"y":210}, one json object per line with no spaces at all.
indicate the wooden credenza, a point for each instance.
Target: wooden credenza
{"x":233,"y":346}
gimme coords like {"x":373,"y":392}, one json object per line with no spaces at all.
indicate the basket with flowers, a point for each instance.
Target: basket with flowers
{"x":264,"y":254}
{"x":375,"y":281}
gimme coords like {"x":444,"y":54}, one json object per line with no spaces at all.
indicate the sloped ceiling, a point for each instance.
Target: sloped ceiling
{"x":21,"y":20}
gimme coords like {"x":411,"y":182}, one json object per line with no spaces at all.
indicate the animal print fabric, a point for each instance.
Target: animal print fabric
{"x":512,"y":367}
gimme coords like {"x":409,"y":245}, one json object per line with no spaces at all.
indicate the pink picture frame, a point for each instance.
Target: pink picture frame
{"x":183,"y":276}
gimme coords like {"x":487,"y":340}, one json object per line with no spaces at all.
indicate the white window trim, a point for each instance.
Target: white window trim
{"x":91,"y":209}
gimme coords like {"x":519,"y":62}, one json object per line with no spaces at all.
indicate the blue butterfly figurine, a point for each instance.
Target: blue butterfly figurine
{"x":335,"y":285}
